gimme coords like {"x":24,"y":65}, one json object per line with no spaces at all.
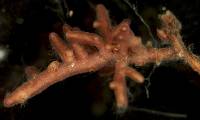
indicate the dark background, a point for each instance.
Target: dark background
{"x":24,"y":29}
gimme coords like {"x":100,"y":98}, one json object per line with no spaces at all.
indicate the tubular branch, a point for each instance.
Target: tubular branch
{"x":103,"y":23}
{"x":117,"y":46}
{"x":170,"y":30}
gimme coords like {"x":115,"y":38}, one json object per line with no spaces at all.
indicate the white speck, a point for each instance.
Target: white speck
{"x":71,"y":12}
{"x":180,"y":54}
{"x":164,"y":8}
{"x":96,"y":38}
{"x":3,"y":53}
{"x":124,"y":28}
{"x":158,"y":63}
{"x":72,"y":65}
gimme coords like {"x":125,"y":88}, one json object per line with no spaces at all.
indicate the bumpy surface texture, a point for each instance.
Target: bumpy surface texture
{"x":114,"y":45}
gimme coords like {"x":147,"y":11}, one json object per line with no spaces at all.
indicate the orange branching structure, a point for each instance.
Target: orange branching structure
{"x":115,"y":45}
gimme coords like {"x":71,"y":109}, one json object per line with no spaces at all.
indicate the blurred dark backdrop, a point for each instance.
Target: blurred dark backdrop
{"x":24,"y":29}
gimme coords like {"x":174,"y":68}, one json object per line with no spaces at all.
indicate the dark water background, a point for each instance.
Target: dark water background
{"x":24,"y":29}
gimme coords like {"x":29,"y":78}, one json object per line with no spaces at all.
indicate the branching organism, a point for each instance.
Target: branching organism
{"x":114,"y":45}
